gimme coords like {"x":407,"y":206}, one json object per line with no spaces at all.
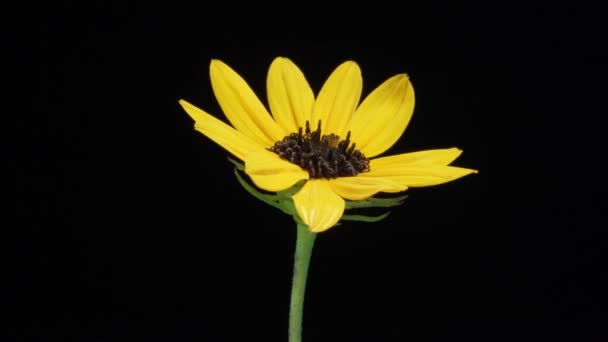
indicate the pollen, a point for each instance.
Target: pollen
{"x":323,"y":156}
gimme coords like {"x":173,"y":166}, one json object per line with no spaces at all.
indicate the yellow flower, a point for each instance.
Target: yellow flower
{"x":334,"y":157}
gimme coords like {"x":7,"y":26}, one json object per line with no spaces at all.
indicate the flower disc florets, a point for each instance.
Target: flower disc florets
{"x":323,"y":156}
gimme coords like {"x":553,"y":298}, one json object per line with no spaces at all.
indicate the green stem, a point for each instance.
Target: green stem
{"x":304,"y":243}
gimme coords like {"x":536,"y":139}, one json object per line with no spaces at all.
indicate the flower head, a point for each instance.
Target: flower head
{"x":332,"y":141}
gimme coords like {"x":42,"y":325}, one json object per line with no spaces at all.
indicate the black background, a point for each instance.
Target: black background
{"x":126,"y":224}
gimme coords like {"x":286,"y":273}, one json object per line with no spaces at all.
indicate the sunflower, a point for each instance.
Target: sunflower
{"x":331,"y":141}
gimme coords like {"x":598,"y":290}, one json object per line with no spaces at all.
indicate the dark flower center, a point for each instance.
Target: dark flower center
{"x":322,"y":156}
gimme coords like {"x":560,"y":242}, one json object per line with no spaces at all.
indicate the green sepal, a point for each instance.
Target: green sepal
{"x":374,"y":202}
{"x":237,"y":164}
{"x":268,"y":199}
{"x":365,"y":218}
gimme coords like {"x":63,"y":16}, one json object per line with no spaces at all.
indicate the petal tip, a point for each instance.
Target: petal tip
{"x":184,"y":103}
{"x":353,"y":67}
{"x":455,"y":152}
{"x":402,"y":77}
{"x":400,"y":81}
{"x":350,"y":66}
{"x":216,"y":64}
{"x":278,"y":61}
{"x":467,"y":171}
{"x":190,"y":109}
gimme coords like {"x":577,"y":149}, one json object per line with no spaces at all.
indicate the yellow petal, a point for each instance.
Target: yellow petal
{"x":242,"y":107}
{"x":439,"y":157}
{"x":269,"y":172}
{"x":318,"y":206}
{"x":338,"y":99}
{"x":289,"y":95}
{"x":229,"y":138}
{"x":417,"y":169}
{"x":383,"y":116}
{"x":429,"y":175}
{"x":360,"y":188}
